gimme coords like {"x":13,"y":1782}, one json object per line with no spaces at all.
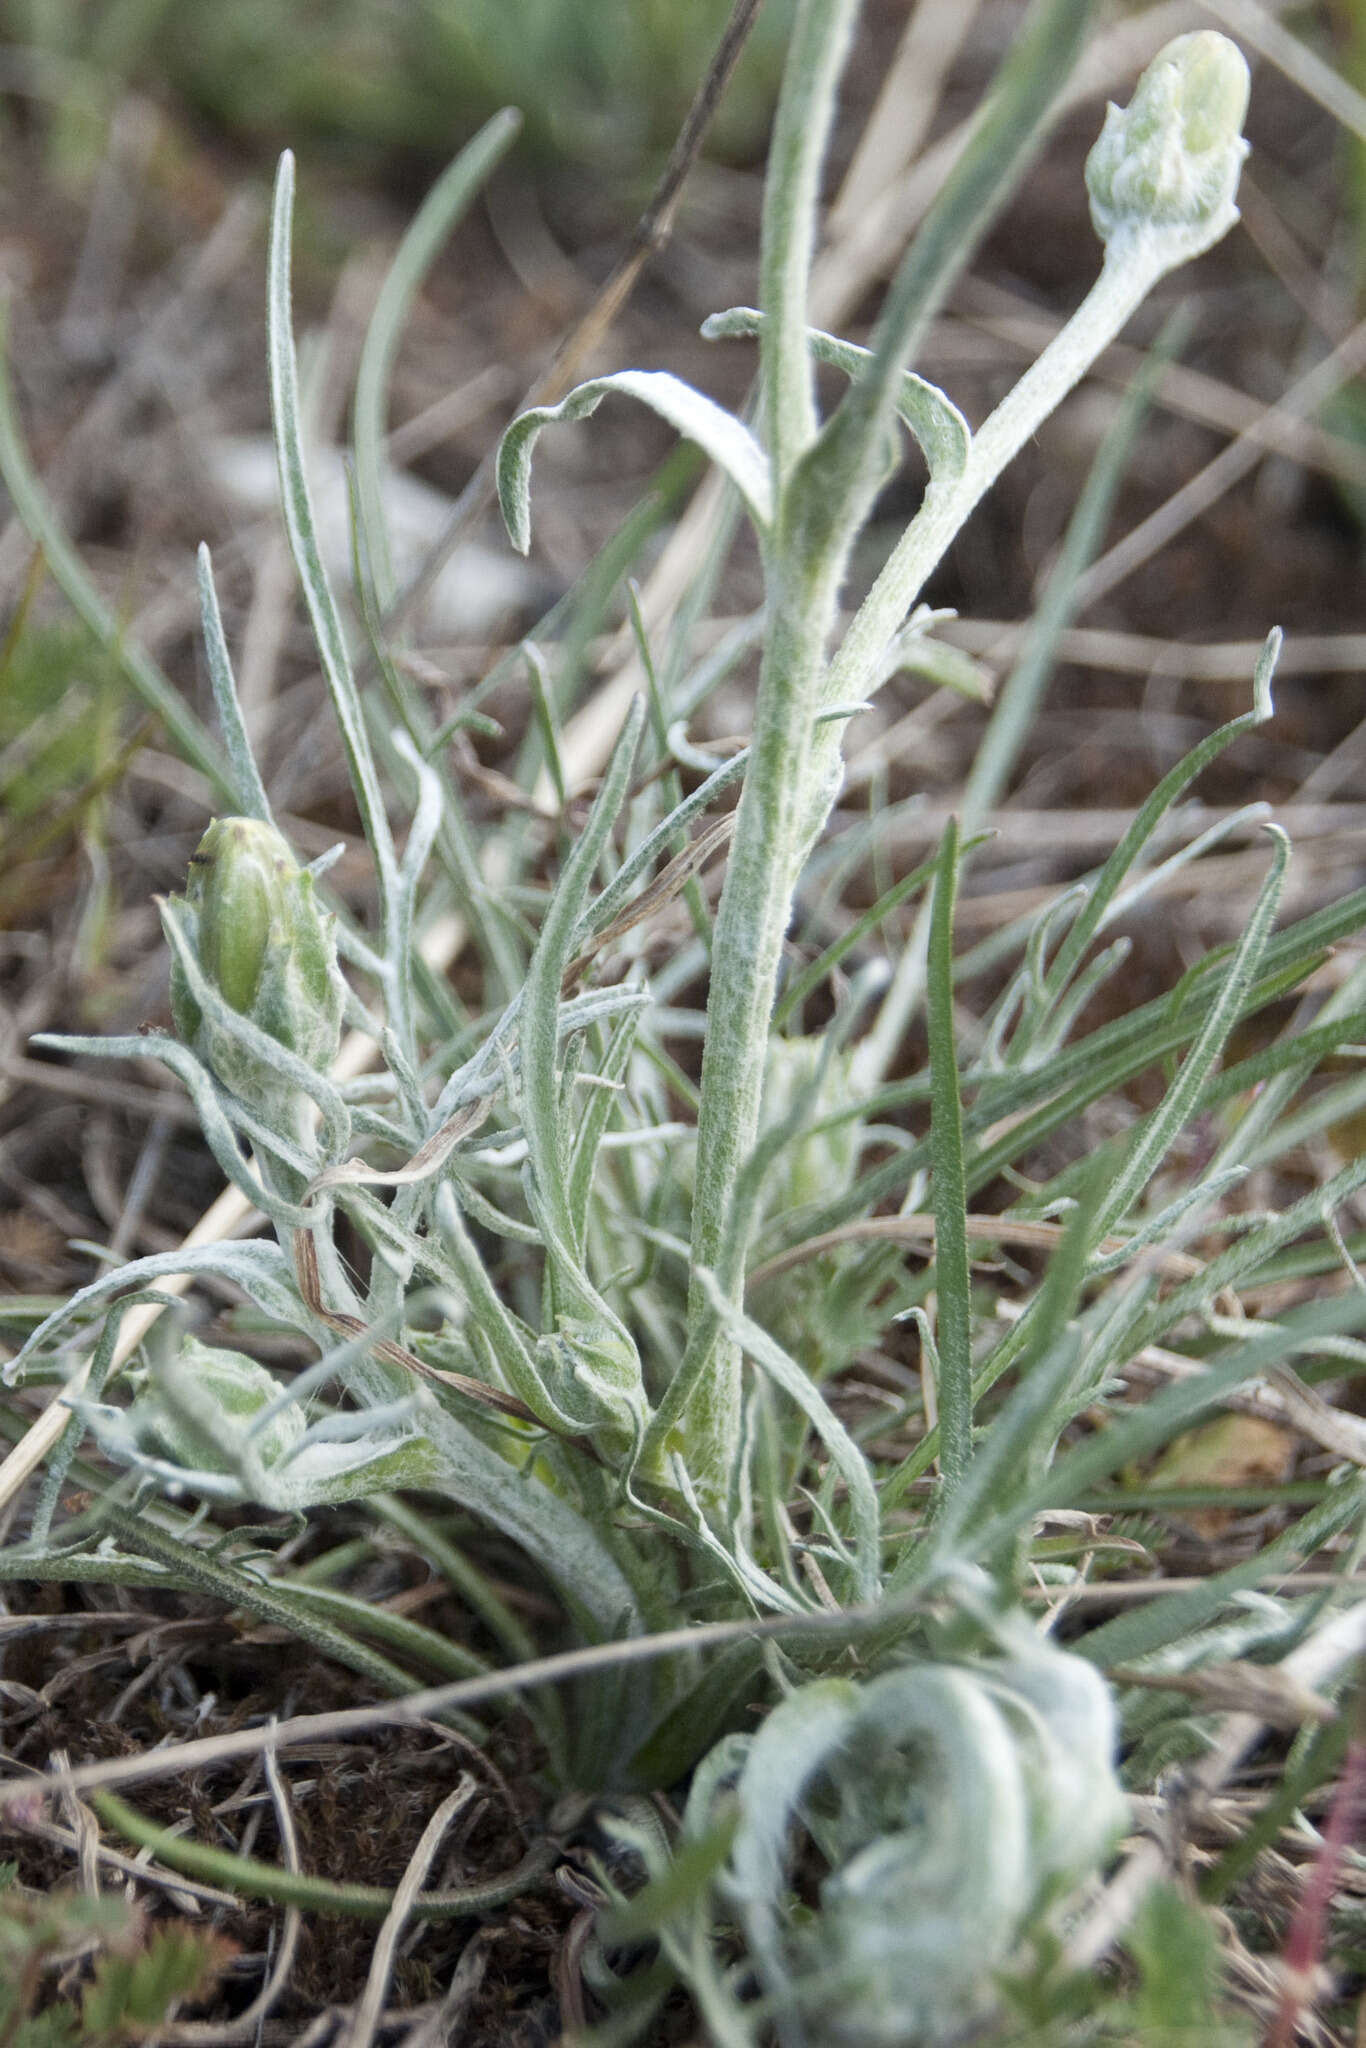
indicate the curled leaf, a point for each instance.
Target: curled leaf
{"x":717,"y":432}
{"x":942,"y":433}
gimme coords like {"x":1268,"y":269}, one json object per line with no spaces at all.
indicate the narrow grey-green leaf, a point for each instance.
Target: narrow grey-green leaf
{"x":249,"y":795}
{"x":848,"y":1459}
{"x":717,"y":432}
{"x":940,"y":430}
{"x":413,"y":258}
{"x":301,"y":529}
{"x":1183,"y":1095}
{"x":953,"y":1276}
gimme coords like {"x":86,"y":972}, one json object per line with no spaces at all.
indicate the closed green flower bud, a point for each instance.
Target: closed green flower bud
{"x":199,"y":1413}
{"x":1170,"y":160}
{"x":252,"y":921}
{"x":231,"y":878}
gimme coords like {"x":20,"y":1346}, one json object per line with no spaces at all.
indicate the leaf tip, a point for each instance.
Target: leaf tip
{"x":1262,"y":706}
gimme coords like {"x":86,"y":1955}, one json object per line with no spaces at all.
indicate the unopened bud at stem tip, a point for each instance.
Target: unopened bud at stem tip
{"x":1171,"y":158}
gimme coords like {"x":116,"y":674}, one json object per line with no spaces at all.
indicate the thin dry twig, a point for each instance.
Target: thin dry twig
{"x":184,"y":1893}
{"x":247,"y":2025}
{"x":19,"y":1795}
{"x":362,"y":2030}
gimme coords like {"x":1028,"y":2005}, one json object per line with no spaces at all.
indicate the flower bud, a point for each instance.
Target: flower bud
{"x":1171,"y":158}
{"x":250,"y":917}
{"x":199,"y":1415}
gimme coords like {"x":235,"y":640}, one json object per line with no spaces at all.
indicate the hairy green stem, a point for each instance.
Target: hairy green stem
{"x":771,"y":839}
{"x":1129,"y":272}
{"x":840,"y":477}
{"x":768,"y":852}
{"x":820,"y":41}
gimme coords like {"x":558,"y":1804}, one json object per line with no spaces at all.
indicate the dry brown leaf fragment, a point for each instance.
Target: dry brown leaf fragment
{"x":1237,"y":1687}
{"x":1230,"y":1452}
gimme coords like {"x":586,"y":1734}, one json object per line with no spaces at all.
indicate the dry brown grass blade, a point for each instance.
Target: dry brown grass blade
{"x":1097,"y":830}
{"x":369,"y":2010}
{"x":905,"y":109}
{"x":918,"y":1230}
{"x":354,"y":1173}
{"x":183,"y":1894}
{"x":1229,"y":467}
{"x":1143,"y":654}
{"x":1188,"y":393}
{"x":1335,"y":1430}
{"x":668,"y":883}
{"x":1271,"y":1693}
{"x":479,"y":1391}
{"x":1310,"y":1666}
{"x":247,"y":2025}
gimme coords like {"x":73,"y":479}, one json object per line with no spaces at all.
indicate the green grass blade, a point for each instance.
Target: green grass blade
{"x":416,"y":253}
{"x":195,"y":743}
{"x":810,"y":978}
{"x":1135,"y":1435}
{"x":1182,"y":1097}
{"x":953,"y":1276}
{"x":1153,"y":811}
